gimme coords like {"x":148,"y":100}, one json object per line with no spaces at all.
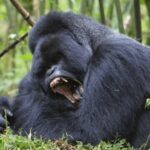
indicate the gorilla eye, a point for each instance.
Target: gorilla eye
{"x":55,"y":58}
{"x":51,"y":56}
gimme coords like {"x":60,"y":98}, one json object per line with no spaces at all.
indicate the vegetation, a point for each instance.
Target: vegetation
{"x":121,"y":15}
{"x":9,"y":141}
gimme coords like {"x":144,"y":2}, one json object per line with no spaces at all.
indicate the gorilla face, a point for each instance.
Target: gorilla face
{"x":64,"y":62}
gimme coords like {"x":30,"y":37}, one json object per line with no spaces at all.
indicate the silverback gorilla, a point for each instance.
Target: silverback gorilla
{"x":86,"y":83}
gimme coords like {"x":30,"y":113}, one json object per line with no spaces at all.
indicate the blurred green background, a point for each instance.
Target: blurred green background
{"x":121,"y":15}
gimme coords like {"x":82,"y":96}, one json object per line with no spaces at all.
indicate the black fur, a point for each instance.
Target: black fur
{"x":114,"y":70}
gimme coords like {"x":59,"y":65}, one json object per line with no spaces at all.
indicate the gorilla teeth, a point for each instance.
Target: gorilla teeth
{"x":81,"y":90}
{"x":57,"y":81}
{"x":78,"y":93}
{"x":69,"y":88}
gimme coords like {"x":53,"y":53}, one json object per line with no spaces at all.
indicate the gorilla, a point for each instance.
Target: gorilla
{"x":87,"y":83}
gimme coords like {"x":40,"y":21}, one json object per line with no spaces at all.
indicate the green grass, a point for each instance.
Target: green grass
{"x":9,"y":141}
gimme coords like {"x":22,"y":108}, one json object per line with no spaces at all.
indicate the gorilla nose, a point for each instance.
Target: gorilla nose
{"x":57,"y":71}
{"x":52,"y":70}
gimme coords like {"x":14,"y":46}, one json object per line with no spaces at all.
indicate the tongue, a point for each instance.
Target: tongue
{"x":66,"y":91}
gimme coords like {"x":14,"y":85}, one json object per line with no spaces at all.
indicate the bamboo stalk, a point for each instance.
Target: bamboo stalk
{"x":83,"y":6}
{"x":70,"y":3}
{"x":36,"y":8}
{"x":110,"y":10}
{"x":23,"y":12}
{"x":137,"y":14}
{"x":102,"y":13}
{"x":54,"y":4}
{"x":147,"y":2}
{"x":27,"y":17}
{"x":91,"y":6}
{"x":11,"y":46}
{"x":119,"y":15}
{"x":9,"y":13}
{"x":42,"y":7}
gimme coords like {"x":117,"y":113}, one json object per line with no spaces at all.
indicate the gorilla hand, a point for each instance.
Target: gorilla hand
{"x":5,"y":113}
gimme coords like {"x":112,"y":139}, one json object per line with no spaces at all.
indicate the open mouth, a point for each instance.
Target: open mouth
{"x":70,"y":88}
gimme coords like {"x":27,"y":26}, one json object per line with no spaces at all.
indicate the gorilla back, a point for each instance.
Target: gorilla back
{"x":86,"y":83}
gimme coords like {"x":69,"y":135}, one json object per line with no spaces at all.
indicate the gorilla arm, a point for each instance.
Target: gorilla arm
{"x":113,"y":75}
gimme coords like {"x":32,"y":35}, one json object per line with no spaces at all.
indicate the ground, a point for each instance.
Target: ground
{"x":9,"y":141}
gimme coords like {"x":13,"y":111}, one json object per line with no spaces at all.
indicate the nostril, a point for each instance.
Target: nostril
{"x":51,"y":70}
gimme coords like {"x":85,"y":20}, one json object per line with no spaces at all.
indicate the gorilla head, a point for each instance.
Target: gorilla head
{"x":86,"y":82}
{"x":65,"y":68}
{"x":62,"y":57}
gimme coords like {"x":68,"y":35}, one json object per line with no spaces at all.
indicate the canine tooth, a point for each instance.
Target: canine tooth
{"x":81,"y":90}
{"x":76,"y":96}
{"x":65,"y":80}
